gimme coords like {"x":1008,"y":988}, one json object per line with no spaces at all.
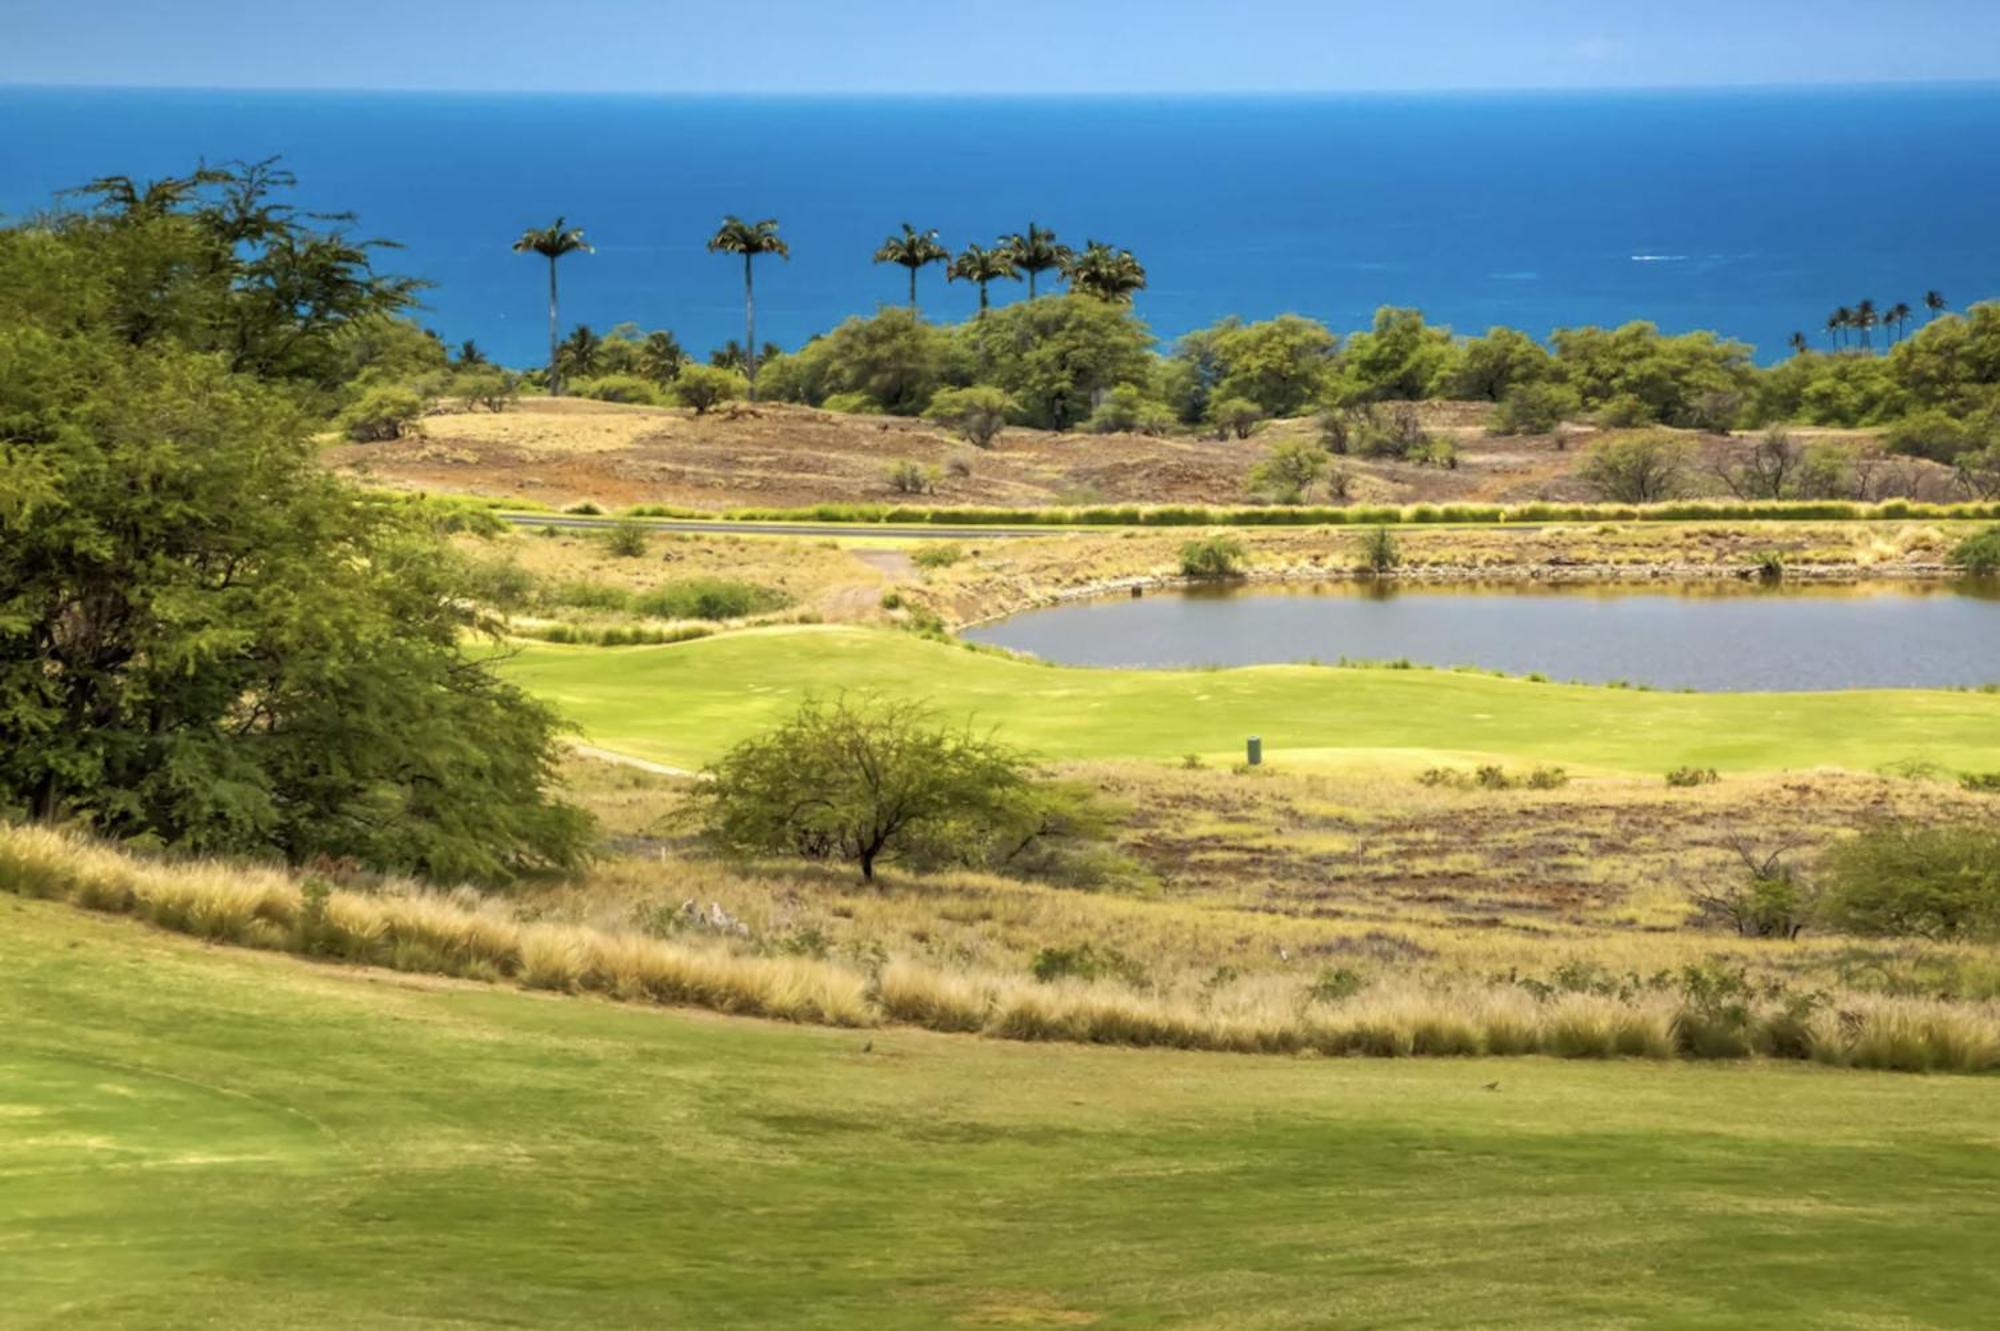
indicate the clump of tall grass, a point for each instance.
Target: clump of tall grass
{"x":1581,"y":1013}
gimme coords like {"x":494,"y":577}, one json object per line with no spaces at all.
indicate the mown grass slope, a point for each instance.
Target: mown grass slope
{"x":685,"y":703}
{"x":217,"y":1137}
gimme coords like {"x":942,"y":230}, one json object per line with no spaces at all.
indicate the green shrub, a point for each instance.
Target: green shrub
{"x":1435,"y":451}
{"x":1539,"y":407}
{"x":977,"y":414}
{"x":853,"y":404}
{"x":626,"y":388}
{"x":707,"y":598}
{"x":1904,"y":880}
{"x":1979,"y":555}
{"x":486,"y":386}
{"x":1380,"y":551}
{"x":382,"y":413}
{"x":1289,"y":471}
{"x":1216,"y":556}
{"x":1086,"y":961}
{"x":584,"y":594}
{"x":939,"y":555}
{"x":1236,"y":416}
{"x":1940,"y":436}
{"x":1642,"y":468}
{"x":912,"y":478}
{"x":626,"y":540}
{"x":1127,"y":409}
{"x":1981,"y":783}
{"x":705,"y":387}
{"x":1693,"y":776}
{"x":1769,"y":899}
{"x":1336,"y":984}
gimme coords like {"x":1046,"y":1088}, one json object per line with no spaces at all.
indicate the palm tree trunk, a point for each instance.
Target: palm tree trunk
{"x":913,"y":291}
{"x":555,"y":378}
{"x":750,"y":327}
{"x":982,"y":298}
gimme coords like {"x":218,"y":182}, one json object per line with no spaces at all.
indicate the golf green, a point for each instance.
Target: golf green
{"x":685,"y":703}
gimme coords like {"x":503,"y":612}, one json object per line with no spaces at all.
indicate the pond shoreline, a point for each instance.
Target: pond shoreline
{"x":1554,"y":575}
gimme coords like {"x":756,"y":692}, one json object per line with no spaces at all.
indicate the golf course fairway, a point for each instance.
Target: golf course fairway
{"x":685,"y":703}
{"x":221,"y":1137}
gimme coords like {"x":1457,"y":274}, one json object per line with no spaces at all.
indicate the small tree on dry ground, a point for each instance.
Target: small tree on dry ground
{"x":865,"y":781}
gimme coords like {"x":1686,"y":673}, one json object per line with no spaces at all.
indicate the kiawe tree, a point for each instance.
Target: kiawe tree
{"x":984,"y":266}
{"x":207,"y":642}
{"x":553,"y":242}
{"x":1036,"y":251}
{"x":749,"y":239}
{"x":913,"y":250}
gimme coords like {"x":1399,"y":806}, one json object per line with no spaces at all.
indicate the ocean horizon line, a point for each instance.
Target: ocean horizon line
{"x":1211,"y":95}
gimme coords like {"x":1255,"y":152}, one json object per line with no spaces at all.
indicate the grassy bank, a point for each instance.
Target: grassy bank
{"x":202,"y":1136}
{"x":1346,"y":515}
{"x":683,"y":704}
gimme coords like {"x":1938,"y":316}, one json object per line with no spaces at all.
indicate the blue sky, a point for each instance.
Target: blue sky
{"x":997,"y":46}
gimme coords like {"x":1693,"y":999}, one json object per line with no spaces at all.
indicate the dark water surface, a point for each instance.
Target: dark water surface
{"x":1711,"y":639}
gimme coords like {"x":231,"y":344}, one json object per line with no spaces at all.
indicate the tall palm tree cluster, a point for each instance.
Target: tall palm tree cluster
{"x":1851,"y":327}
{"x":1097,"y":269}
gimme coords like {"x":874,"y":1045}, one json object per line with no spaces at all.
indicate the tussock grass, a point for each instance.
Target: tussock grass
{"x":459,"y":934}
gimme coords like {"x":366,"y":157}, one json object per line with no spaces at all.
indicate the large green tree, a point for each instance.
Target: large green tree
{"x":1053,"y":356}
{"x":206,"y":642}
{"x":749,"y":239}
{"x":553,"y":242}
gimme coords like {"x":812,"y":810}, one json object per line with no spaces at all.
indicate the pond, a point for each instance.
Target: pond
{"x":1729,"y":637}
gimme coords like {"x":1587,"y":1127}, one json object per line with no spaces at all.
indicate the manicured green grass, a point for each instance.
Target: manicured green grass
{"x":684,"y":704}
{"x":193,"y":1136}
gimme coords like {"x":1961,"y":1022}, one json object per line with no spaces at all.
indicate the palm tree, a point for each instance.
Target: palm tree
{"x":1799,"y":344}
{"x":1036,"y":253}
{"x":470,"y":354}
{"x":1865,"y":318}
{"x":661,"y":357}
{"x":1898,"y":317}
{"x":1836,"y":325}
{"x":552,"y":242}
{"x":1934,"y":302}
{"x":1104,"y":272}
{"x":749,"y":239}
{"x":913,"y":249}
{"x":577,"y":356}
{"x":977,"y":264}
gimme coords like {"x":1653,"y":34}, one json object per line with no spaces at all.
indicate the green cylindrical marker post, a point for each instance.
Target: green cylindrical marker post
{"x":1256,"y":748}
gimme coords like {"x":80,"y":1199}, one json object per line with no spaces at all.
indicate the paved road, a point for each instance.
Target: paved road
{"x":724,"y":525}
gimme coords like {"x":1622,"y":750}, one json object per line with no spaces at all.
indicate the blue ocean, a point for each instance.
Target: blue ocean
{"x":1753,"y":213}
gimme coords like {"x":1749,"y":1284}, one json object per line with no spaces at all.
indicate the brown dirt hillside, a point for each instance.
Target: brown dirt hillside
{"x":560,"y":452}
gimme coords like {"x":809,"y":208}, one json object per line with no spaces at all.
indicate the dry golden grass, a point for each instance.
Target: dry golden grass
{"x":402,"y":927}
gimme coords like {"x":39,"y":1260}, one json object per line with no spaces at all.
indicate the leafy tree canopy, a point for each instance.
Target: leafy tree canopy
{"x":205,"y":641}
{"x":1054,"y":353}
